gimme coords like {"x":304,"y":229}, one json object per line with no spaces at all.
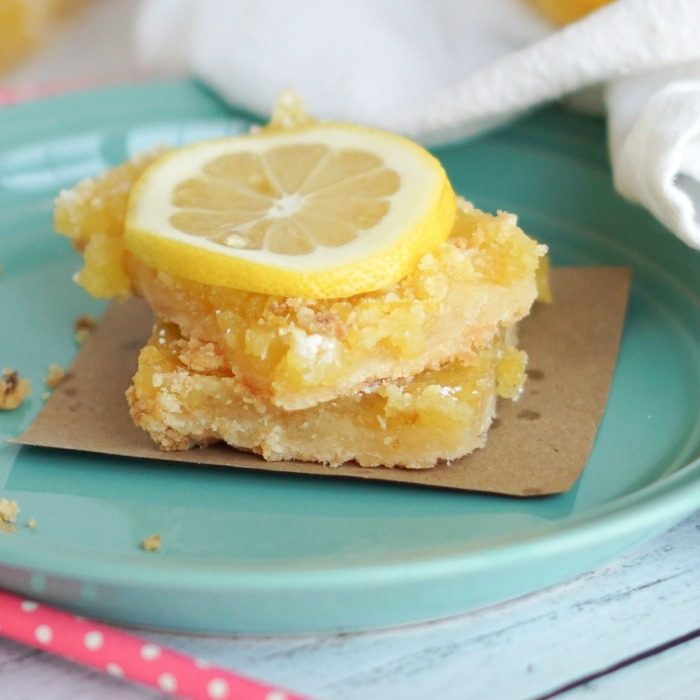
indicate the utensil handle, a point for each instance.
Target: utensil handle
{"x":124,"y":655}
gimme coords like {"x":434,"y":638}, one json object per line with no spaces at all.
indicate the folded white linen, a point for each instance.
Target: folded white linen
{"x":452,"y":68}
{"x":654,"y":135}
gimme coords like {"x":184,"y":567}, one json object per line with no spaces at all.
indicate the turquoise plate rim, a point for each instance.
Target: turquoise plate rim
{"x":648,"y":509}
{"x":664,"y":502}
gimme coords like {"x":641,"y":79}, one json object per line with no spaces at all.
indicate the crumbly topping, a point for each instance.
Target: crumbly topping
{"x":290,"y":112}
{"x":13,"y":389}
{"x":510,"y":373}
{"x":55,"y":376}
{"x":317,"y":349}
{"x":321,"y":322}
{"x":152,"y":543}
{"x":199,"y":356}
{"x":91,"y":215}
{"x":83,"y":327}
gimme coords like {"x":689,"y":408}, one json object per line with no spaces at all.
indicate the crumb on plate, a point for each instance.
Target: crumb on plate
{"x":9,"y":510}
{"x":82,"y":327}
{"x":13,"y":389}
{"x":55,"y":376}
{"x":152,"y":543}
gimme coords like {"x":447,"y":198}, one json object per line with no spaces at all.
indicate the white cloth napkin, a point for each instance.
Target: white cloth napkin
{"x":441,"y":69}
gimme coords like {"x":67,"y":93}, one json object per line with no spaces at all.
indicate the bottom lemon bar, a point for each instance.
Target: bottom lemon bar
{"x":440,"y":414}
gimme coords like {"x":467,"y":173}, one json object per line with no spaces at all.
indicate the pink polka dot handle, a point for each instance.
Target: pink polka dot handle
{"x":125,"y":655}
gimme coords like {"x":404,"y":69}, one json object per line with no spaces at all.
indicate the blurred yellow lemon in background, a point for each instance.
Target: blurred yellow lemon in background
{"x":565,"y":11}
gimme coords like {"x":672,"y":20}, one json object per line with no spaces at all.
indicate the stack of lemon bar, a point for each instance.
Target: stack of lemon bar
{"x":320,"y":294}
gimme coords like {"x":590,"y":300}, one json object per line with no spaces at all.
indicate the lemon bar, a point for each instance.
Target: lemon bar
{"x":296,"y":352}
{"x":322,"y":293}
{"x":437,"y":415}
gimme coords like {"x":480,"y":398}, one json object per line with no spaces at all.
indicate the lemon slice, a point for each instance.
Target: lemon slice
{"x":324,"y":211}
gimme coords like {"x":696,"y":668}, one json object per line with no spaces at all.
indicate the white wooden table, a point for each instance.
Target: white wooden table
{"x":628,"y":630}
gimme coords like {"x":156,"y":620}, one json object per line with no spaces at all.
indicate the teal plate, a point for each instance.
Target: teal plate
{"x":249,"y":552}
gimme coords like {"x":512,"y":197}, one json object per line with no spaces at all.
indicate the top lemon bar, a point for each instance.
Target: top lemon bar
{"x":458,"y":276}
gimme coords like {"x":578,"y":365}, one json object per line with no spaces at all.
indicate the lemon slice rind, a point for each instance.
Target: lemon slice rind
{"x":419,"y":217}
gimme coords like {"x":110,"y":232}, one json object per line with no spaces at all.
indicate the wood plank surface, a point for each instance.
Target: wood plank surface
{"x":672,"y":673}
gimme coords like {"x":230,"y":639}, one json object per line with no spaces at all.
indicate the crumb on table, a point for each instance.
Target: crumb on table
{"x":32,"y":524}
{"x":82,"y":327}
{"x":152,"y":543}
{"x":55,"y":376}
{"x":13,"y":389}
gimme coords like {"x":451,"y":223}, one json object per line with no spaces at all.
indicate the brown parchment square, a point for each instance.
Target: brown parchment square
{"x":538,"y":445}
